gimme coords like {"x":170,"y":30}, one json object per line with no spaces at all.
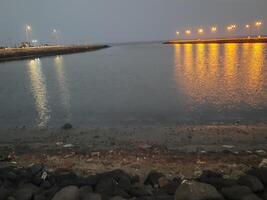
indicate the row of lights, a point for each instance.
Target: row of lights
{"x":28,"y":29}
{"x":214,"y":29}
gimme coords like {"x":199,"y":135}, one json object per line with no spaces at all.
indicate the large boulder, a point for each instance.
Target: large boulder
{"x":252,"y":182}
{"x":92,"y":196}
{"x":260,"y":173}
{"x":114,"y":183}
{"x":26,"y":192}
{"x":237,"y":192}
{"x":192,"y":190}
{"x":154,"y":178}
{"x":67,"y":193}
{"x":216,"y":179}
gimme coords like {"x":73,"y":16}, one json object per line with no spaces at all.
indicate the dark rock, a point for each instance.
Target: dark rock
{"x":215,"y":179}
{"x":192,"y":190}
{"x":10,"y":198}
{"x":252,"y":182}
{"x":153,"y":178}
{"x":114,"y":183}
{"x":39,"y":197}
{"x":260,"y":173}
{"x":117,"y":198}
{"x":67,"y":126}
{"x":92,"y":196}
{"x":138,"y":191}
{"x":64,"y":179}
{"x":34,"y":169}
{"x":208,"y":174}
{"x":4,"y":193}
{"x":236,"y":192}
{"x":49,"y":193}
{"x":26,"y":192}
{"x":251,"y":197}
{"x":84,"y":190}
{"x":46,"y":184}
{"x":172,"y":186}
{"x":67,"y":193}
{"x":156,"y":198}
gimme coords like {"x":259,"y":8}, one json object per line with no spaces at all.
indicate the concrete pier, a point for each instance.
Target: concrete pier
{"x":34,"y":52}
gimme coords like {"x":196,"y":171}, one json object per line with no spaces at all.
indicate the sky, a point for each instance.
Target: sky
{"x":118,"y":21}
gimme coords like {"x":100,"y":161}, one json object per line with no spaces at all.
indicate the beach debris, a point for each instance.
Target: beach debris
{"x":228,"y":146}
{"x":67,"y":126}
{"x":68,"y":145}
{"x":263,"y":163}
{"x":260,"y":152}
{"x":44,"y":175}
{"x":97,"y":154}
{"x":59,"y":143}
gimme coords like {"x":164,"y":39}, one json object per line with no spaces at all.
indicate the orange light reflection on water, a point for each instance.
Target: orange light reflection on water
{"x":224,"y":75}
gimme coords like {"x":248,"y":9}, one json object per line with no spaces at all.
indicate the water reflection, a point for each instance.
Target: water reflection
{"x":221,"y":75}
{"x":39,"y":91}
{"x":64,"y":91}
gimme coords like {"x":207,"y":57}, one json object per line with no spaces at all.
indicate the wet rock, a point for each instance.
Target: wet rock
{"x":192,"y":190}
{"x":153,"y":178}
{"x":67,"y":193}
{"x":85,"y":190}
{"x":260,"y":173}
{"x":26,"y":192}
{"x":252,"y":182}
{"x":236,"y":192}
{"x":67,"y":126}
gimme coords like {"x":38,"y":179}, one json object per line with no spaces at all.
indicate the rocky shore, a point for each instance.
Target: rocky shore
{"x":188,"y":162}
{"x":37,"y":182}
{"x":34,"y":52}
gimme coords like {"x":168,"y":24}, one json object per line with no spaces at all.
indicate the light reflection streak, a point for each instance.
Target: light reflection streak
{"x":64,"y":91}
{"x":39,"y":91}
{"x":224,"y":76}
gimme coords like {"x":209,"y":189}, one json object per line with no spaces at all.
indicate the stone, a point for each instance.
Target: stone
{"x":163,"y":182}
{"x":117,"y":198}
{"x":153,"y":178}
{"x":67,"y":126}
{"x":139,"y":191}
{"x":26,"y":192}
{"x":92,"y":196}
{"x":263,"y":163}
{"x":251,"y":197}
{"x":192,"y":190}
{"x":84,"y":190}
{"x":67,"y":193}
{"x":252,"y":182}
{"x":4,"y":192}
{"x":236,"y":192}
{"x":260,"y":173}
{"x":114,"y":183}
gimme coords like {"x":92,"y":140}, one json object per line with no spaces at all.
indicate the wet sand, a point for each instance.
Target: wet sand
{"x":183,"y":150}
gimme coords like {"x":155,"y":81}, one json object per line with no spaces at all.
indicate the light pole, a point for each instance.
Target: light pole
{"x":28,"y":29}
{"x":55,"y":33}
{"x":258,"y":25}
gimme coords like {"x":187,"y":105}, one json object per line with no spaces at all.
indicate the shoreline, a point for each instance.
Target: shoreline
{"x":35,"y":52}
{"x":219,"y":41}
{"x":168,"y":149}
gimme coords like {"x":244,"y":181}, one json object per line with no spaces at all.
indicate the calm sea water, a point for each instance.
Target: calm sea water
{"x":148,"y":84}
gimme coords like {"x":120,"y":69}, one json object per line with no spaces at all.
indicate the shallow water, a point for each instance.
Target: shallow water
{"x":148,"y":84}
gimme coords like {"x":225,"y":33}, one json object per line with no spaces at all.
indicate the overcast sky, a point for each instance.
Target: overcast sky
{"x":101,"y":21}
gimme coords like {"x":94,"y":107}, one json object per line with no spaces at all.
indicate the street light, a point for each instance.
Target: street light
{"x":247,"y":26}
{"x":213,"y":29}
{"x":200,"y":31}
{"x":55,"y":35}
{"x":258,"y":24}
{"x":177,"y":33}
{"x":188,"y":32}
{"x":28,"y":29}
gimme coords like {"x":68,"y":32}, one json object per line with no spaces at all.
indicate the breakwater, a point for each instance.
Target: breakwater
{"x":33,"y":52}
